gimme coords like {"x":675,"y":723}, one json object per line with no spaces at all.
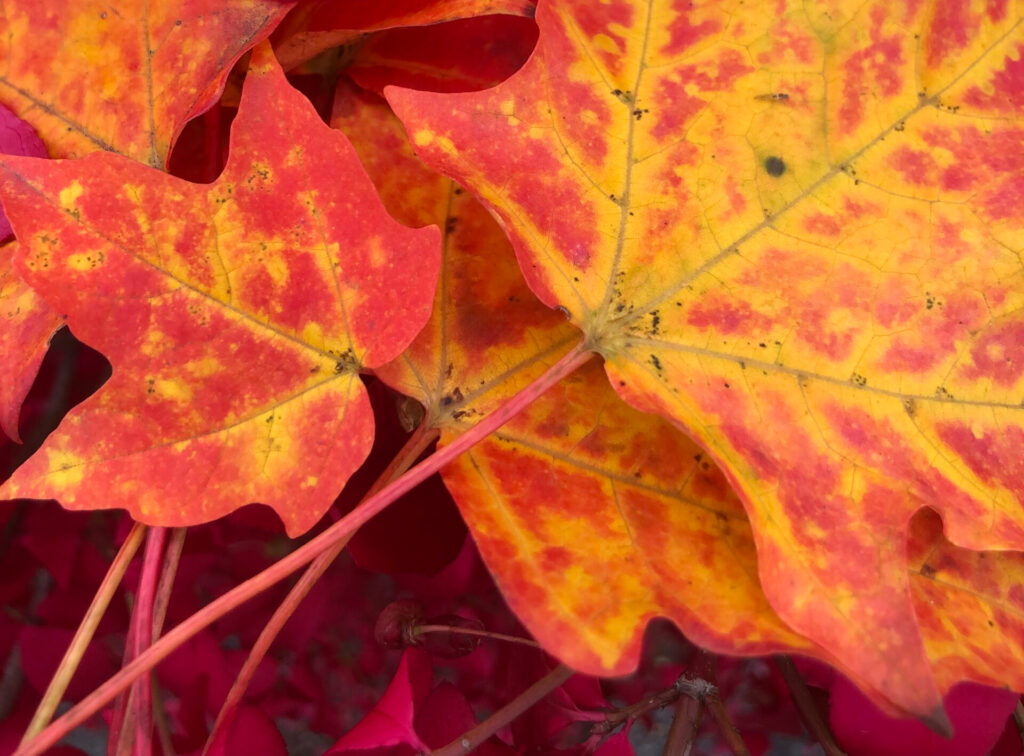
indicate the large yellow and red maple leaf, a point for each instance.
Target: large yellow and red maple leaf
{"x":795,"y":231}
{"x":236,"y":316}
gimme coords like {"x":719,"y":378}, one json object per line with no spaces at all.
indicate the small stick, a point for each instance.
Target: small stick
{"x":805,"y":705}
{"x":507,"y":713}
{"x":685,"y":726}
{"x":1018,"y":719}
{"x":424,"y":629}
{"x":86,"y":630}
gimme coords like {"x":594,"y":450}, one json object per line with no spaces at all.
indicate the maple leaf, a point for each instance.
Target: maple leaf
{"x":796,"y":233}
{"x":236,"y":316}
{"x":89,"y":76}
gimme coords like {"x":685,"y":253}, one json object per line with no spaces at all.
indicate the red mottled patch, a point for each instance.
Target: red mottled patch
{"x":790,"y":43}
{"x":826,"y":225}
{"x":1002,"y":200}
{"x":676,"y":106}
{"x":947,"y":321}
{"x":602,"y":19}
{"x":572,"y":493}
{"x":727,"y":315}
{"x":586,"y":100}
{"x":685,"y":31}
{"x":737,"y":200}
{"x":877,"y":63}
{"x":878,"y":446}
{"x":952,"y":26}
{"x":998,"y":354}
{"x":898,"y":299}
{"x":1004,"y":93}
{"x":994,"y":455}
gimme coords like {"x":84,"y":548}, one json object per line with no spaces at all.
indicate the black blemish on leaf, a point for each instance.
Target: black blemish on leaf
{"x":449,"y":225}
{"x":910,"y":407}
{"x":454,"y":396}
{"x":927,"y":570}
{"x":774,"y":166}
{"x":656,"y":362}
{"x":622,"y":383}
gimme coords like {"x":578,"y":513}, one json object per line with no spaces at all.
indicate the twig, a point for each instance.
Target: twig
{"x":805,"y":705}
{"x":728,"y":729}
{"x":83,"y":636}
{"x":685,"y":726}
{"x":507,"y":713}
{"x":424,"y":629}
{"x":144,"y":605}
{"x":301,"y":556}
{"x":1018,"y":719}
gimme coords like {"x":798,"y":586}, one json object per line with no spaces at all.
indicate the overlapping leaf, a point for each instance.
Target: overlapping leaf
{"x":318,"y":25}
{"x":90,"y":76}
{"x":657,"y":529}
{"x":593,"y":517}
{"x":236,"y":316}
{"x":796,"y":232}
{"x":27,"y":322}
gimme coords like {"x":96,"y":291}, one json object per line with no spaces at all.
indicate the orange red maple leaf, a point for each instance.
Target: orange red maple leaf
{"x":236,"y":316}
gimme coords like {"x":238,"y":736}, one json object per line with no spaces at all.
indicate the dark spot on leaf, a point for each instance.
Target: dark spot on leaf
{"x":656,"y":362}
{"x":927,"y":570}
{"x":454,"y":396}
{"x":774,"y":166}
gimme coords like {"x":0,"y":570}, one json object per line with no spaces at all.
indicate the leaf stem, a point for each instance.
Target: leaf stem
{"x":303,"y":555}
{"x":414,"y":446}
{"x":805,"y":705}
{"x":685,"y":726}
{"x":424,"y":629}
{"x":85,"y":632}
{"x":507,"y":713}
